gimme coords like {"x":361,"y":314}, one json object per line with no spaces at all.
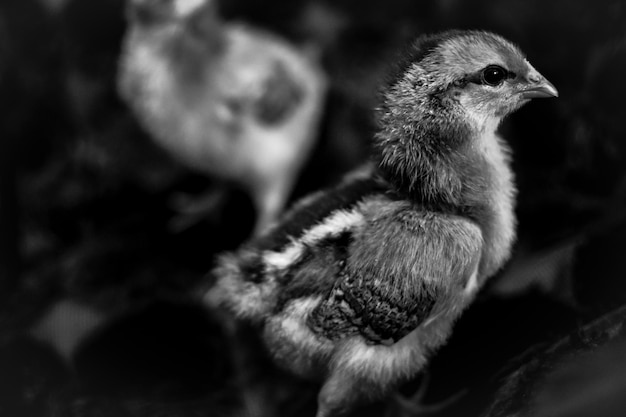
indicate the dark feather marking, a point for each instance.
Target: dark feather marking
{"x":301,"y":218}
{"x":334,"y":319}
{"x":317,"y":271}
{"x":359,"y":305}
{"x":252,"y":267}
{"x":383,"y":321}
{"x":281,"y":96}
{"x":338,"y":244}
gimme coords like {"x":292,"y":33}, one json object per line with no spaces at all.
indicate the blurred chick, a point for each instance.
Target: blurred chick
{"x":225,"y":99}
{"x":360,"y":283}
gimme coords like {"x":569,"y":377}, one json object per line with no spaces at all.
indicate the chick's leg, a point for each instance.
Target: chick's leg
{"x":340,"y":392}
{"x":269,"y":200}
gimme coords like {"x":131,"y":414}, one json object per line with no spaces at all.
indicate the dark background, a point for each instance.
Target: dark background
{"x":84,"y":217}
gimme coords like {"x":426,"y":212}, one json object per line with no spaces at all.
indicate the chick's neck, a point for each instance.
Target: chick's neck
{"x":426,"y":149}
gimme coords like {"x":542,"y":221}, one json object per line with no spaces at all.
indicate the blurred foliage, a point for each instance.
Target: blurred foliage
{"x":92,"y":198}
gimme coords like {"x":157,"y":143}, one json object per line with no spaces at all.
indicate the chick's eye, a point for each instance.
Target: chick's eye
{"x":494,"y":75}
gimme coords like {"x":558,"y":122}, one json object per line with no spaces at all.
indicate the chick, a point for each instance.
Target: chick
{"x":226,"y":99}
{"x":360,"y":283}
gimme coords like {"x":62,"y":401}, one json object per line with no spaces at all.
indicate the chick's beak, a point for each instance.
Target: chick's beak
{"x":536,"y":86}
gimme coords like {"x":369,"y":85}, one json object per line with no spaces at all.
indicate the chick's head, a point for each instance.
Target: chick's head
{"x":185,"y":30}
{"x":479,"y":73}
{"x":169,"y":13}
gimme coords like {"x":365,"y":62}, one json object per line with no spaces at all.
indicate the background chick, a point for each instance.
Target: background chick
{"x":360,"y":283}
{"x":223,"y":98}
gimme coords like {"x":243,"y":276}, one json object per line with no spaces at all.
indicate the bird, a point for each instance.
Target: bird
{"x":359,"y":283}
{"x":226,"y":99}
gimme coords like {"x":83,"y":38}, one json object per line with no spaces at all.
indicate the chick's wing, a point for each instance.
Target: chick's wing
{"x":402,"y":268}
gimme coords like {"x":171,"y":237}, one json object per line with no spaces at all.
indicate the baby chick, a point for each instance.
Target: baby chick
{"x":223,"y":98}
{"x":360,"y":283}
